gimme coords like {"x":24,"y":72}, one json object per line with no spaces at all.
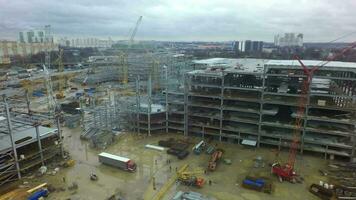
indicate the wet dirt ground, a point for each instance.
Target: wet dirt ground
{"x":226,"y":180}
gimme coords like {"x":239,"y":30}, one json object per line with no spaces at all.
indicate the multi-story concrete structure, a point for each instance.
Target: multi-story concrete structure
{"x":248,"y":46}
{"x":36,"y":36}
{"x":29,"y":42}
{"x":12,"y":48}
{"x":254,"y":101}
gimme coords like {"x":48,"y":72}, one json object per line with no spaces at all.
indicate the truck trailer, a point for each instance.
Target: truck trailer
{"x":117,"y":161}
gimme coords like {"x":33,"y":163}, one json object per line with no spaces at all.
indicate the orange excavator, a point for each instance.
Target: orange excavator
{"x":215,"y":157}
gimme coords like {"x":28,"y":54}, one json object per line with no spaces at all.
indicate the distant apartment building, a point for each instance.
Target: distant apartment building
{"x":248,"y":46}
{"x":85,"y":42}
{"x":29,"y":42}
{"x":289,"y":40}
{"x":36,"y":36}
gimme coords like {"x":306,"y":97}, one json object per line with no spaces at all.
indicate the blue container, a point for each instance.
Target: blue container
{"x":38,"y":194}
{"x":252,"y":183}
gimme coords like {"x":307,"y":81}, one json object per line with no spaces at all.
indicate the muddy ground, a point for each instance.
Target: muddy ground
{"x":226,"y":180}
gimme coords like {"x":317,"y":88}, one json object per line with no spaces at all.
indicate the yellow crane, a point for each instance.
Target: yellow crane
{"x":123,"y":56}
{"x":61,"y":79}
{"x":160,"y":194}
{"x":124,"y":67}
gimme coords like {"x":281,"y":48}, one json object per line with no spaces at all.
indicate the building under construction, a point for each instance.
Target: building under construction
{"x":255,"y":102}
{"x":26,"y":140}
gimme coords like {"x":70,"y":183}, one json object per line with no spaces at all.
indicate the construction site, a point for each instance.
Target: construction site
{"x":154,"y":123}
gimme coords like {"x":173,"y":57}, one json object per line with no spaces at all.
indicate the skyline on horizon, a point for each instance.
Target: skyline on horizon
{"x":229,"y":20}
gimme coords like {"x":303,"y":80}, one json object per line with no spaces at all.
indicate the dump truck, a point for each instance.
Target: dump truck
{"x":117,"y":161}
{"x":258,"y":184}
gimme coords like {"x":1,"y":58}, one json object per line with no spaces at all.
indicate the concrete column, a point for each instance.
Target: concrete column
{"x":186,"y":90}
{"x":28,"y":102}
{"x":39,"y":143}
{"x":138,"y":103}
{"x":60,"y":135}
{"x":222,"y":103}
{"x":166,"y":98}
{"x":261,"y":106}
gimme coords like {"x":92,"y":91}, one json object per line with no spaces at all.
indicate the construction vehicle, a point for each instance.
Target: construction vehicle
{"x":258,"y":184}
{"x":160,"y":194}
{"x":215,"y":157}
{"x":197,"y":149}
{"x":189,"y":178}
{"x":189,"y":196}
{"x":117,"y":161}
{"x":287,"y":171}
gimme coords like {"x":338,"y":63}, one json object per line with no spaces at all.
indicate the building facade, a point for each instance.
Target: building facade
{"x":248,"y":46}
{"x":257,"y":101}
{"x":85,"y":42}
{"x":36,"y":36}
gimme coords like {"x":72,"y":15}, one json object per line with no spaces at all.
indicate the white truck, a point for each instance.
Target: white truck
{"x":117,"y":161}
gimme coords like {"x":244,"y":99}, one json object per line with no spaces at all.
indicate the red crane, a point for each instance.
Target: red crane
{"x":287,"y":172}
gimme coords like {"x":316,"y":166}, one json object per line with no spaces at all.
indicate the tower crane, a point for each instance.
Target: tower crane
{"x":61,"y":78}
{"x":123,"y":56}
{"x":287,"y":172}
{"x":135,"y":31}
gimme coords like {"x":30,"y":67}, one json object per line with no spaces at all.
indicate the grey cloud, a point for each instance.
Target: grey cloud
{"x":319,"y":20}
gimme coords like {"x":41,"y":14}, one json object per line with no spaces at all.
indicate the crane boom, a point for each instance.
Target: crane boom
{"x":124,"y":57}
{"x":287,"y":172}
{"x":135,"y":30}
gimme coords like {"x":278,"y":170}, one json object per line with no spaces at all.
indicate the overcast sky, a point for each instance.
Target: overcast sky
{"x":218,"y":20}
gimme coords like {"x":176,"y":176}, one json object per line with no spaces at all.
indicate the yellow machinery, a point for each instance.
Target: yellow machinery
{"x":189,"y":178}
{"x":185,"y":177}
{"x":169,"y":183}
{"x":28,"y":85}
{"x":124,"y":67}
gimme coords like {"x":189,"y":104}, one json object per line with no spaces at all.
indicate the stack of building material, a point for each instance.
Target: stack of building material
{"x":88,"y":133}
{"x":98,"y":138}
{"x":342,"y":179}
{"x":102,"y":139}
